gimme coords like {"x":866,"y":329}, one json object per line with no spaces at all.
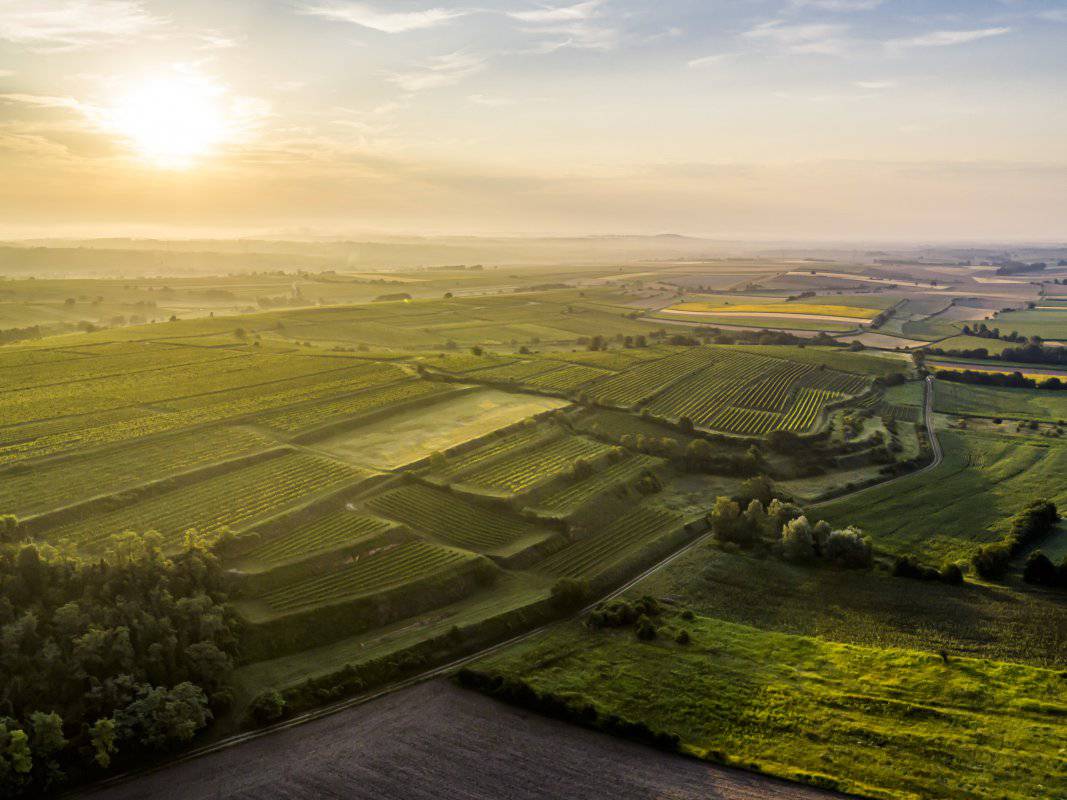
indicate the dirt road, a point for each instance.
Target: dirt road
{"x":435,"y":741}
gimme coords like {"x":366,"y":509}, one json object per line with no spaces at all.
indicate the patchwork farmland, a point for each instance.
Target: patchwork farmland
{"x":381,"y":488}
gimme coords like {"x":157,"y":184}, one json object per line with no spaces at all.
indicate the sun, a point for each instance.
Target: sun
{"x":171,"y":121}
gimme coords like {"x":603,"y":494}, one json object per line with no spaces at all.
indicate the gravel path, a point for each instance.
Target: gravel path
{"x":435,"y":741}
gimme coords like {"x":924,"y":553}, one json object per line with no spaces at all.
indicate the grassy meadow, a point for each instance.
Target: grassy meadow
{"x":874,"y":721}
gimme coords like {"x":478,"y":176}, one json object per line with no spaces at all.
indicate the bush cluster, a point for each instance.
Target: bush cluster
{"x":908,"y":567}
{"x":1040,"y":571}
{"x":1034,"y":522}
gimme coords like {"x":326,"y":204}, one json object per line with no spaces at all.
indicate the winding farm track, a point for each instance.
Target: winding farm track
{"x":464,"y":748}
{"x":935,"y":448}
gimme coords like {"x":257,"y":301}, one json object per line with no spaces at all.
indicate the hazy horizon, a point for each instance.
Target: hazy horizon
{"x":796,"y":120}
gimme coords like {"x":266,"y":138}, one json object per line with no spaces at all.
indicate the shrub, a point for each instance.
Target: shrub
{"x":951,"y":574}
{"x":848,"y":548}
{"x":267,"y":707}
{"x":646,"y":629}
{"x":569,"y":592}
{"x":1040,"y":570}
{"x":682,"y":637}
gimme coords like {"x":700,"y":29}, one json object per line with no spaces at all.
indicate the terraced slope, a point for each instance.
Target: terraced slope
{"x":230,"y":501}
{"x":57,"y":483}
{"x":523,"y":470}
{"x":388,"y":568}
{"x":328,"y":532}
{"x":593,"y":554}
{"x":451,"y":519}
{"x":568,"y":499}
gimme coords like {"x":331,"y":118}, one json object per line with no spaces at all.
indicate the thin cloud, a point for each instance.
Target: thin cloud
{"x":575,"y":25}
{"x":945,"y":38}
{"x":805,"y":39}
{"x":838,"y":5}
{"x":44,"y":101}
{"x":709,"y":61}
{"x":579,"y":11}
{"x":442,"y":71}
{"x":73,"y":24}
{"x":385,"y":21}
{"x":874,"y":85}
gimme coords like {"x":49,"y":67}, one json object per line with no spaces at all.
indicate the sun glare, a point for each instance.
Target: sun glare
{"x":171,"y":121}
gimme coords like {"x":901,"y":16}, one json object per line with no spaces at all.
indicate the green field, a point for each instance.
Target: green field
{"x":974,"y":400}
{"x":946,"y":514}
{"x":874,"y":721}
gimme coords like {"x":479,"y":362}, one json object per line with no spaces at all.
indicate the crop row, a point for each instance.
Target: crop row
{"x":499,"y":447}
{"x":566,"y":378}
{"x":748,"y":421}
{"x":530,"y":467}
{"x":449,"y":518}
{"x":191,"y":380}
{"x":703,"y":395}
{"x":229,"y":501}
{"x":592,"y":554}
{"x":58,"y":483}
{"x":835,"y":381}
{"x":322,"y":413}
{"x":621,"y":473}
{"x":518,"y":372}
{"x":900,"y":413}
{"x":132,"y":359}
{"x":806,"y":407}
{"x":773,"y":391}
{"x":393,"y":565}
{"x":637,"y":383}
{"x":49,"y":436}
{"x":328,"y":532}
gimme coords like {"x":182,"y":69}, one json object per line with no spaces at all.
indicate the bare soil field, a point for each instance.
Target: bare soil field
{"x":435,"y":741}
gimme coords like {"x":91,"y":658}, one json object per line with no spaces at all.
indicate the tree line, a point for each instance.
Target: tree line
{"x":106,"y":659}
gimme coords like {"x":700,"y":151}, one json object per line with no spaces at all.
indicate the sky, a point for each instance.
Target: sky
{"x":872,"y":120}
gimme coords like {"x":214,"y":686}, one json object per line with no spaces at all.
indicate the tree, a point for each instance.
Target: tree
{"x":782,"y":512}
{"x":161,"y":718}
{"x":102,"y":737}
{"x":724,"y":518}
{"x":798,"y":543}
{"x":756,"y":520}
{"x":758,"y":488}
{"x":848,"y":548}
{"x":1040,"y":570}
{"x":267,"y":707}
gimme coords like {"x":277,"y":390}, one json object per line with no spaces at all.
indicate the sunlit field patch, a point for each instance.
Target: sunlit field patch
{"x":810,"y":309}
